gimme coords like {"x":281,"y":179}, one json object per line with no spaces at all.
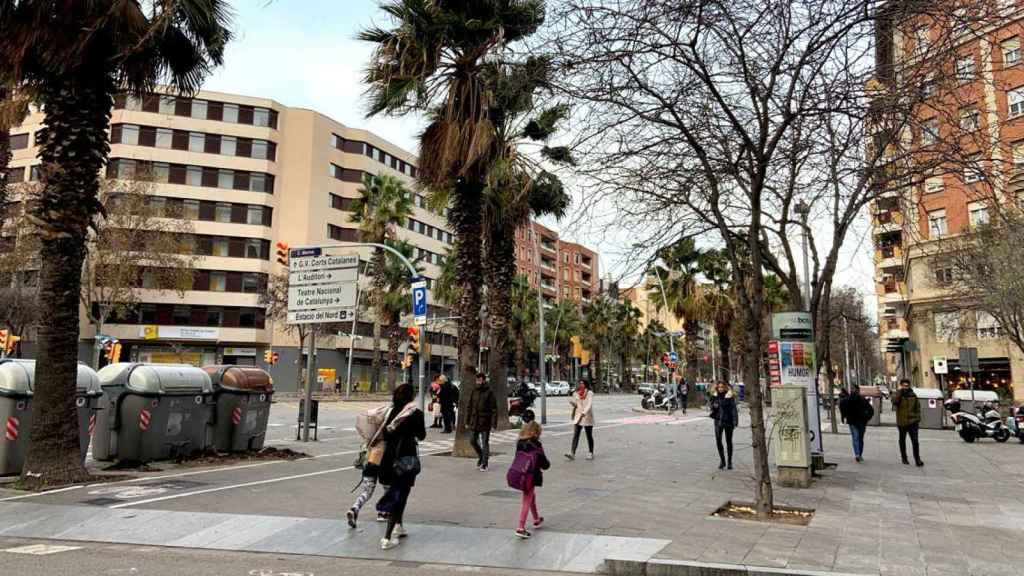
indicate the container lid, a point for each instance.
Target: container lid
{"x":928,"y":392}
{"x":16,"y":377}
{"x":240,"y":378}
{"x":979,"y":395}
{"x":157,"y":378}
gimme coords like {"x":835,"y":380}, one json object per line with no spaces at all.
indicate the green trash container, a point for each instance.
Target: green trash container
{"x":15,"y":414}
{"x":152,"y":412}
{"x":242,"y":396}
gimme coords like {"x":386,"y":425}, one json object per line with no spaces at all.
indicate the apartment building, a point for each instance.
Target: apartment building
{"x":564,"y":270}
{"x":979,"y":105}
{"x":249,"y":173}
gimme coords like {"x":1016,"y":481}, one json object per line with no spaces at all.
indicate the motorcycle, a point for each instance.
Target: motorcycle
{"x":517,"y":405}
{"x":655,"y":400}
{"x":970,"y":427}
{"x":1015,"y":424}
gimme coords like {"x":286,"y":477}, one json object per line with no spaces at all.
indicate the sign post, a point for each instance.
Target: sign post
{"x":969,"y":362}
{"x":940,"y":367}
{"x":322,"y":288}
{"x":419,"y":314}
{"x":794,"y":333}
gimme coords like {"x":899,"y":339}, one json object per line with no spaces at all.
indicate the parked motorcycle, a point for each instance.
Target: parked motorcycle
{"x":1015,"y":423}
{"x":656,"y":400}
{"x":987,"y":424}
{"x":519,"y":404}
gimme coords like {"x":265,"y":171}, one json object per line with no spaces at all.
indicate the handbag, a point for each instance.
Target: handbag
{"x":406,"y":466}
{"x":375,"y":454}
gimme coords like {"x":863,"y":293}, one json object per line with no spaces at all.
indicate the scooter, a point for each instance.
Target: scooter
{"x":655,"y":401}
{"x":970,"y":426}
{"x":1015,"y":423}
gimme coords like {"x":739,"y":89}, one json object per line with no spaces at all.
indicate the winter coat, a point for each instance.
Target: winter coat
{"x":856,"y":409}
{"x":542,"y":462}
{"x":401,"y":442}
{"x":723,"y":409}
{"x":482,"y":412}
{"x":582,"y":408}
{"x":448,"y":396}
{"x":908,"y":407}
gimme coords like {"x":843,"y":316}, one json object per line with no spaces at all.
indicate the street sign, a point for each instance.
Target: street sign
{"x":939,"y":365}
{"x":969,"y":360}
{"x":674,"y":357}
{"x":322,"y":285}
{"x":419,"y":302}
{"x":793,"y":326}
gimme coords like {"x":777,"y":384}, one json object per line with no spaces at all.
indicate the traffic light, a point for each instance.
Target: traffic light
{"x":270,"y":357}
{"x":3,"y":340}
{"x":414,"y":339}
{"x":282,"y":254}
{"x":115,"y":352}
{"x":8,"y":341}
{"x":406,"y":361}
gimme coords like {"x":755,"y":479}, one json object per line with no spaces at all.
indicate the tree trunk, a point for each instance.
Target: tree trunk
{"x":692,"y":330}
{"x":724,"y":347}
{"x":5,"y":157}
{"x":501,"y":273}
{"x":394,"y":341}
{"x":73,"y":149}
{"x":378,"y":265}
{"x":520,"y":358}
{"x":464,"y":216}
{"x":596,"y":361}
{"x":375,"y":369}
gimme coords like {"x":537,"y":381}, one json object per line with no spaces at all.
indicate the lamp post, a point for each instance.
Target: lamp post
{"x":540,"y":326}
{"x":671,"y":336}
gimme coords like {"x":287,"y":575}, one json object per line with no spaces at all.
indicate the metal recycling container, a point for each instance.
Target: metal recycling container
{"x":152,"y":412}
{"x":242,"y":396}
{"x":932,"y":409}
{"x":873,"y":394}
{"x":972,"y":401}
{"x":15,"y":414}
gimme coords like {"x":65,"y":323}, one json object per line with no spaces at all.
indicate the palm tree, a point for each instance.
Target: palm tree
{"x":598,"y":320}
{"x":679,"y":269}
{"x":522,"y":321}
{"x":655,"y":342}
{"x":431,"y":62}
{"x":73,"y":57}
{"x":383,"y":204}
{"x":627,"y":331}
{"x":393,"y":300}
{"x":563,"y":324}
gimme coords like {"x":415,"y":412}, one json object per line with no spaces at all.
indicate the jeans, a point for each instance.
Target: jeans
{"x":857,"y":435}
{"x":727,"y":432}
{"x":448,"y":416}
{"x":912,"y":431}
{"x":393,"y":502}
{"x":529,"y":505}
{"x":481,"y":443}
{"x":576,"y":437}
{"x":683,"y":398}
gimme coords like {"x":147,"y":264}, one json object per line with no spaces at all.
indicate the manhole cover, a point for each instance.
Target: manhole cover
{"x":102,"y":501}
{"x":502,"y":494}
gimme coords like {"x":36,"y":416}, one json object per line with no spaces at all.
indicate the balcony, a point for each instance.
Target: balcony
{"x":548,"y":286}
{"x":892,"y":291}
{"x":548,"y":245}
{"x":887,"y":221}
{"x":889,"y":257}
{"x":897,"y":334}
{"x":547,"y":264}
{"x":585,"y":263}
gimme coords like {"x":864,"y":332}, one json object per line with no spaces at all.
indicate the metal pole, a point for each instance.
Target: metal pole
{"x":846,"y":351}
{"x":310,"y":370}
{"x":671,"y":338}
{"x":540,"y":327}
{"x":422,"y":393}
{"x":714,"y":367}
{"x":351,"y":347}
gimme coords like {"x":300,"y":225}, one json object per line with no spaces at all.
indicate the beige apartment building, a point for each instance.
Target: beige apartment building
{"x":980,"y":106}
{"x":249,"y":173}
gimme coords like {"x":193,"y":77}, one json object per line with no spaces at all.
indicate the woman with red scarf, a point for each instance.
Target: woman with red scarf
{"x":582,"y":402}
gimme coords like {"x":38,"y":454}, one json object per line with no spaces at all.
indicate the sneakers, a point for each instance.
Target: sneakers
{"x":523,"y":533}
{"x":721,"y":466}
{"x":729,"y":466}
{"x":482,"y":468}
{"x":858,"y":458}
{"x":382,"y":517}
{"x":590,"y":456}
{"x":352,"y":516}
{"x":570,"y":457}
{"x":386,"y":544}
{"x":538,"y":522}
{"x":920,"y":464}
{"x":399,"y":532}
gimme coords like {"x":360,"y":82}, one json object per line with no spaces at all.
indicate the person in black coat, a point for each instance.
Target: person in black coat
{"x":857,"y":412}
{"x":726,"y":417}
{"x":403,"y":428}
{"x":448,"y":396}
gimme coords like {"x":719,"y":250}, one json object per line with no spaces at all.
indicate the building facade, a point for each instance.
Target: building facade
{"x":565,"y":270}
{"x":249,"y":173}
{"x":973,"y":103}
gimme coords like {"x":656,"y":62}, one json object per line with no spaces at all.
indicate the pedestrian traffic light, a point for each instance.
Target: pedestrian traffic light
{"x":112,"y":351}
{"x":11,"y":341}
{"x":406,"y":361}
{"x":414,"y":339}
{"x":282,"y":254}
{"x":3,"y":340}
{"x":270,"y":357}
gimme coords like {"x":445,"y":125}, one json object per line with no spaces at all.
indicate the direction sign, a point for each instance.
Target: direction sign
{"x":320,"y":316}
{"x":969,"y":360}
{"x":308,"y":277}
{"x":419,"y":302}
{"x":334,"y":295}
{"x":323,"y":284}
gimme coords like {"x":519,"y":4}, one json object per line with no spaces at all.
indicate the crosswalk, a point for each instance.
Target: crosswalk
{"x":446,"y":444}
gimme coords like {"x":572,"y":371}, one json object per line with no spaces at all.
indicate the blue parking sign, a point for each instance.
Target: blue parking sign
{"x":419,"y":302}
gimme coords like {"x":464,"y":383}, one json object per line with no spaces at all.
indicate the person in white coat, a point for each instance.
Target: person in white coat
{"x":582,"y":403}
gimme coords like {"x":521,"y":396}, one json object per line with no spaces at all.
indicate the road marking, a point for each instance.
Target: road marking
{"x":44,"y":493}
{"x":41,"y":549}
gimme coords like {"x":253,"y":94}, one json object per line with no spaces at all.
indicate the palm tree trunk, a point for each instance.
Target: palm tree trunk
{"x":520,"y":358}
{"x":394,"y":341}
{"x":375,"y":370}
{"x":464,"y":216}
{"x":596,"y":360}
{"x":73,"y":150}
{"x":5,"y":156}
{"x":377,"y":264}
{"x":501,"y":272}
{"x":692,"y":330}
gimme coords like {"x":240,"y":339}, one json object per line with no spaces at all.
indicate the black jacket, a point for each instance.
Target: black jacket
{"x":448,"y":396}
{"x":723,"y":409}
{"x":401,"y":442}
{"x":542,"y":459}
{"x":856,"y":409}
{"x":482,"y":412}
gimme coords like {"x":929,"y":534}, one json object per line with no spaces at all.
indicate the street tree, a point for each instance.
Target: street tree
{"x":563,"y":323}
{"x":19,"y":266}
{"x":274,"y":300}
{"x":384,"y":204}
{"x":626,"y":333}
{"x":73,"y":57}
{"x":393,"y":301}
{"x":431,"y":61}
{"x":679,"y":267}
{"x":142,"y":243}
{"x":522,"y":322}
{"x":598,"y":323}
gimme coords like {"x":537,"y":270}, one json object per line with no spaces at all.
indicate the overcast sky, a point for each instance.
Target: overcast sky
{"x":303,"y":53}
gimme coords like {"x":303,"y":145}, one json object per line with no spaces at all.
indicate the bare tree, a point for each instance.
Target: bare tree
{"x":19,"y":263}
{"x":275,"y":299}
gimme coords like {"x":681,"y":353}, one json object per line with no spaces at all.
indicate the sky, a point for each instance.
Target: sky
{"x":303,"y":53}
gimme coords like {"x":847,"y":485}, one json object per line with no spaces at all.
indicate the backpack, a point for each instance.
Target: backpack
{"x":368,"y":426}
{"x":520,"y":474}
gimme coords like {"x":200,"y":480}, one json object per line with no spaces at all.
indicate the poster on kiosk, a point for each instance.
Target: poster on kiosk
{"x":792,"y":363}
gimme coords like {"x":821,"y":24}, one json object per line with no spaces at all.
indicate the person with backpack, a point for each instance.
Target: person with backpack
{"x":857,"y":412}
{"x":400,"y":462}
{"x":481,"y":418}
{"x":527,"y":474}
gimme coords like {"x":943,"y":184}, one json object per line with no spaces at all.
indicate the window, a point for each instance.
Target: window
{"x":190,"y":209}
{"x":977,"y":213}
{"x":1011,"y":51}
{"x":168,"y":104}
{"x":937,"y":224}
{"x":226,"y":179}
{"x":928,"y":86}
{"x":973,"y":169}
{"x":229,"y":145}
{"x":182,"y":315}
{"x":130,"y":135}
{"x":1015,"y":102}
{"x":965,"y":69}
{"x":943,"y":276}
{"x":259,"y":149}
{"x":222,"y":212}
{"x":261,"y":117}
{"x":194,"y":176}
{"x":231,"y":113}
{"x":18,"y":141}
{"x":947,"y":326}
{"x":218,"y":281}
{"x":260,"y":183}
{"x":196,"y":142}
{"x":133,"y":103}
{"x":929,"y":131}
{"x":213,"y":316}
{"x":220,"y":247}
{"x":253,"y":248}
{"x":988,"y":326}
{"x":161,"y":172}
{"x":247,"y":318}
{"x":921,"y":40}
{"x":254,"y":215}
{"x":337,"y":142}
{"x":199,"y":109}
{"x":250,"y":283}
{"x":970,"y":119}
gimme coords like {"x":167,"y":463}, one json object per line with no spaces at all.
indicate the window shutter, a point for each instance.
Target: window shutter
{"x":212,"y":144}
{"x":201,"y":280}
{"x":236,"y":249}
{"x":267,"y":220}
{"x":234,"y":279}
{"x":179,"y":140}
{"x":238,"y":213}
{"x":147,"y":136}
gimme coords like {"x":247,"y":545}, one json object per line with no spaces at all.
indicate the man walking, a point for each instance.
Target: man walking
{"x":857,"y":412}
{"x":908,"y":419}
{"x":448,"y":398}
{"x":683,"y":393}
{"x":481,"y":417}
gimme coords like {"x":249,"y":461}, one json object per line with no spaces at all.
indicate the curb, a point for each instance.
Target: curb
{"x":656,"y":567}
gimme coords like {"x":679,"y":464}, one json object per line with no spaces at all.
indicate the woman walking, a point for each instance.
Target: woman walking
{"x":400,"y":463}
{"x":527,"y":474}
{"x":582,"y":402}
{"x":726,"y":416}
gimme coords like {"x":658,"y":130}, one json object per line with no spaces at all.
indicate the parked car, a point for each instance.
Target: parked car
{"x":558,"y":388}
